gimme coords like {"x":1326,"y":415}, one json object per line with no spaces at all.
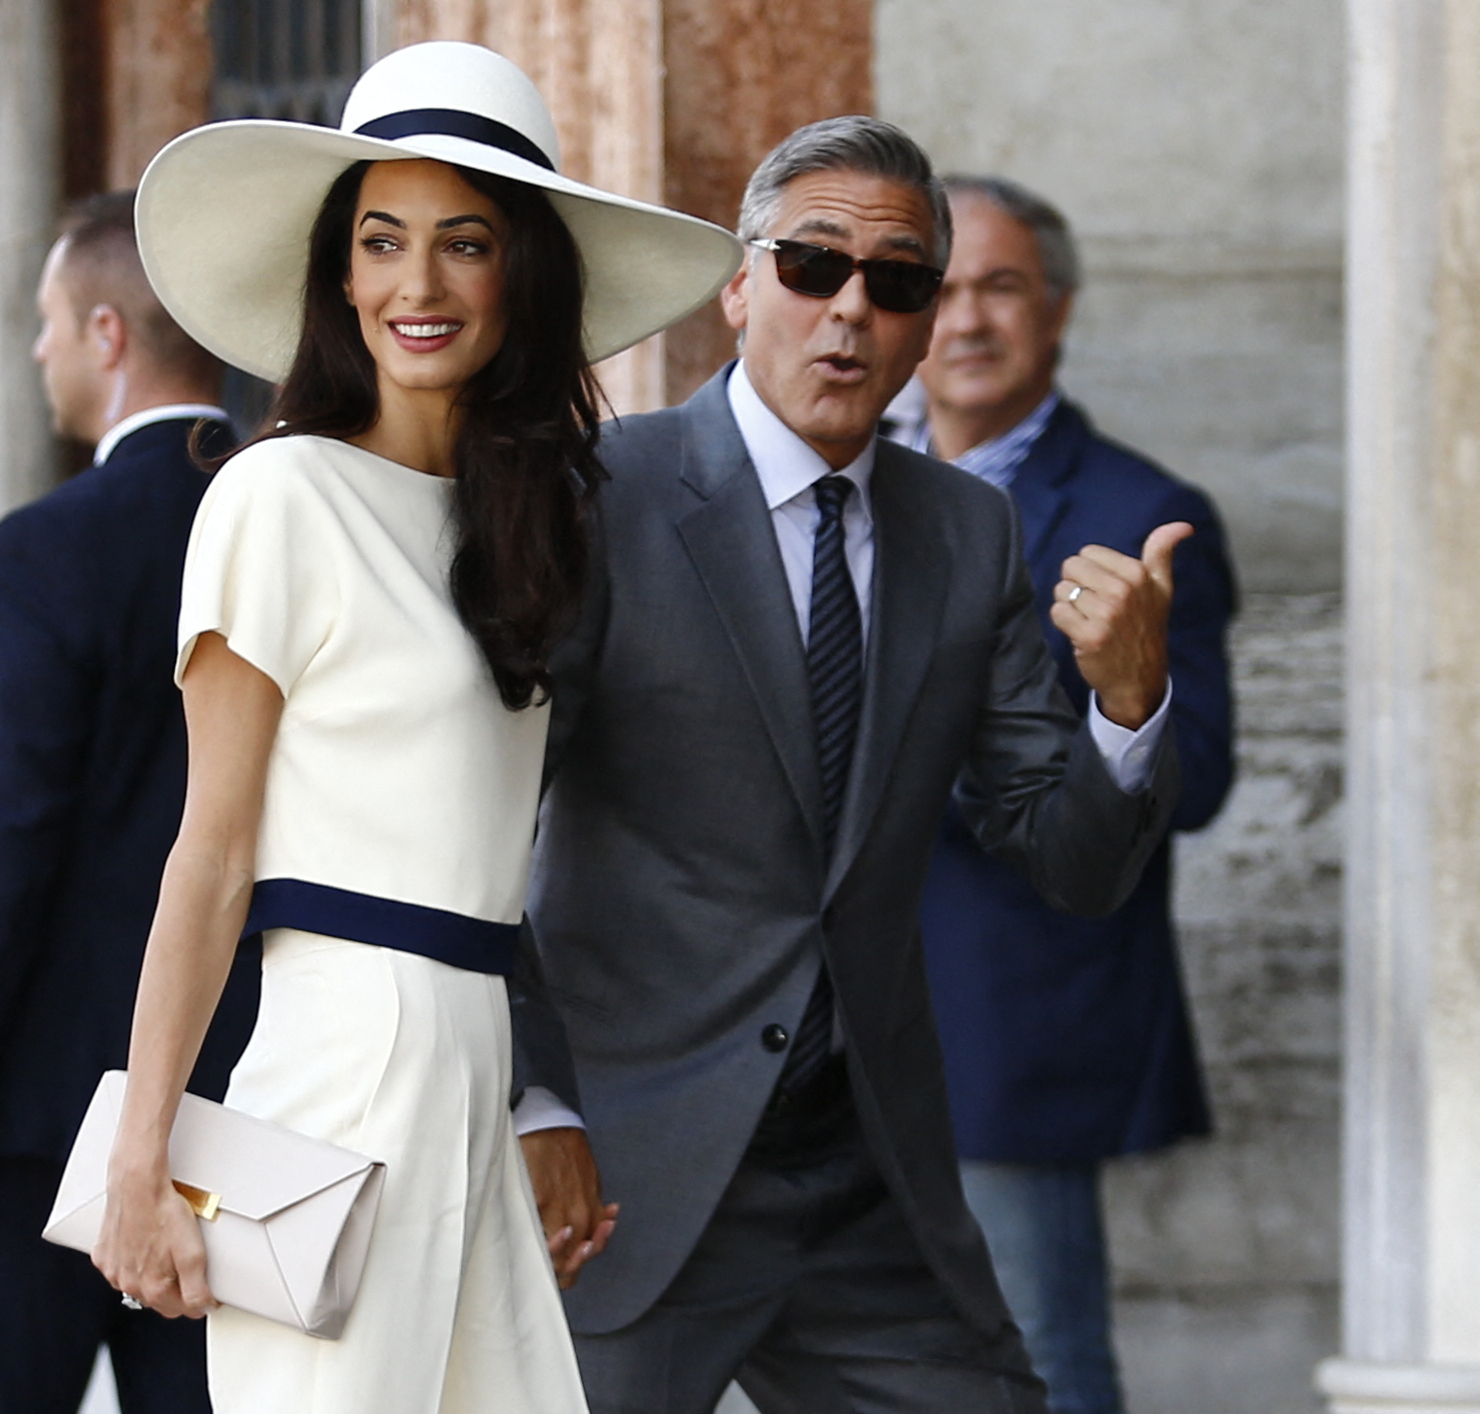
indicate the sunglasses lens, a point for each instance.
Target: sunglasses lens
{"x":900,"y":286}
{"x":811,"y":269}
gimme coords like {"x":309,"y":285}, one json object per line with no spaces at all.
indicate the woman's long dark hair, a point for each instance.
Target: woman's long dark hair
{"x":526,"y":451}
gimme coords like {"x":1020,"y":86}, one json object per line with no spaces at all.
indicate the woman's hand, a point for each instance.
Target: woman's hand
{"x":150,"y":1246}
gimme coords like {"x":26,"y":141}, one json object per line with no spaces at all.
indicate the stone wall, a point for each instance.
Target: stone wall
{"x":1226,"y":1250}
{"x":1197,"y":148}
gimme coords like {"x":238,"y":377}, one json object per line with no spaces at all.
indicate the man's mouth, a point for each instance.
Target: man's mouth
{"x":973,"y":353}
{"x":844,"y":366}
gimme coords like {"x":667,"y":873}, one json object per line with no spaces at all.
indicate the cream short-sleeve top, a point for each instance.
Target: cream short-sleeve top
{"x":397,"y":771}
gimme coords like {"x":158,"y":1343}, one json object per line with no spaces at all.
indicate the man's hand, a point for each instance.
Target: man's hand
{"x":1114,"y":610}
{"x":567,"y":1188}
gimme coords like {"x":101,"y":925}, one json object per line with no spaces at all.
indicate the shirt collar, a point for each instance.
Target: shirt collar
{"x":998,"y":458}
{"x":165,"y":412}
{"x":786,"y":466}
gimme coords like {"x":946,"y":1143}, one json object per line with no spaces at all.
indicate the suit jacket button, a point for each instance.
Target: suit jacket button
{"x":774,"y":1037}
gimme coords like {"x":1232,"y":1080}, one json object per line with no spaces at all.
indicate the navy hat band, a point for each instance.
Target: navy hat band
{"x":456,"y":122}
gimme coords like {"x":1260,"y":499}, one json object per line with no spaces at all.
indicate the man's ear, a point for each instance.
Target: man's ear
{"x":734,"y":299}
{"x":1059,"y":319}
{"x":108,"y":335}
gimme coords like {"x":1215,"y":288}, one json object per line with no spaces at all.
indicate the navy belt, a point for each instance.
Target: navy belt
{"x":473,"y":944}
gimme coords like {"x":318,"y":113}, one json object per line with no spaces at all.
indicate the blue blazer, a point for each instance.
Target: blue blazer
{"x":1068,"y":1039}
{"x":92,"y":778}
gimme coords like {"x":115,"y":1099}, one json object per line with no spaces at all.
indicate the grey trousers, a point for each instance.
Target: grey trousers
{"x":808,"y":1288}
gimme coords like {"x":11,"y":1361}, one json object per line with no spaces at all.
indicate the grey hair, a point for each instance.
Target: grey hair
{"x":1056,"y":248}
{"x":852,"y":144}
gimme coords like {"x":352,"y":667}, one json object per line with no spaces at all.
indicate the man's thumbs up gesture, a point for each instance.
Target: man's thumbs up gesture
{"x":1114,"y":609}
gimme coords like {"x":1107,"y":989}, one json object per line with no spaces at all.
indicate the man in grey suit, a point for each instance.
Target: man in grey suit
{"x":797,"y":640}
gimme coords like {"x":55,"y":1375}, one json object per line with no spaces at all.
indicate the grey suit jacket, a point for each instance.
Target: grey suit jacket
{"x":681,"y":897}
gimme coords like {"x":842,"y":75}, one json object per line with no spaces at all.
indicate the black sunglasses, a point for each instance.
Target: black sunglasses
{"x":900,"y":286}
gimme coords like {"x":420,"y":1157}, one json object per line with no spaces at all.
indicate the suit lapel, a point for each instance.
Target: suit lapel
{"x":911,"y":580}
{"x":732,"y":544}
{"x":1039,"y":485}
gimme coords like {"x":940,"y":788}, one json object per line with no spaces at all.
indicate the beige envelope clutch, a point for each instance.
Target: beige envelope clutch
{"x":286,"y":1219}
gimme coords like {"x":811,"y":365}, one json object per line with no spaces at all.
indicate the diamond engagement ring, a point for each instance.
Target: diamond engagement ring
{"x":1075,"y":593}
{"x":132,"y":1302}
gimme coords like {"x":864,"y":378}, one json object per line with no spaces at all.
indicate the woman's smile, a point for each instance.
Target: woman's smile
{"x":425,"y":335}
{"x":426,"y":276}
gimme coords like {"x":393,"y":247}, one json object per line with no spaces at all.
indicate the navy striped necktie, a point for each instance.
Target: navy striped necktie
{"x":835,"y":669}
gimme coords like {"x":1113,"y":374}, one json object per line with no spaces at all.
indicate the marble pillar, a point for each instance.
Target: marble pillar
{"x":157,"y":79}
{"x":30,"y":169}
{"x":1411,"y":1272}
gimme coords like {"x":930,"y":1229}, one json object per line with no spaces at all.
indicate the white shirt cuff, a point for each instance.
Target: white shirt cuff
{"x":1127,"y":754}
{"x":539,"y":1108}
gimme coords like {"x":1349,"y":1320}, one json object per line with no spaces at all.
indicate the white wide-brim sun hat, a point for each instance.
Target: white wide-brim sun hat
{"x":224,"y":212}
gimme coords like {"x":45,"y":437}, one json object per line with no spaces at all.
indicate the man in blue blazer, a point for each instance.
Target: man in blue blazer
{"x":1066,"y":1040}
{"x":92,"y":779}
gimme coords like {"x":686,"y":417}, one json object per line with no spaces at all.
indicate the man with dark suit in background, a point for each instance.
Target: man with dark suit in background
{"x":797,"y":640}
{"x":92,"y":780}
{"x":1066,"y":1040}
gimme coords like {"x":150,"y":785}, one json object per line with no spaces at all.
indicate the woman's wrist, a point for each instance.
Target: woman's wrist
{"x":138,"y":1164}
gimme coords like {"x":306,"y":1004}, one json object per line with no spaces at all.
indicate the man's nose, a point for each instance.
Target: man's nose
{"x":963,"y":317}
{"x":852,"y":303}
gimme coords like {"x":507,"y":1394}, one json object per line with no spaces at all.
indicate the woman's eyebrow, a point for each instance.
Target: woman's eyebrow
{"x":464,"y":221}
{"x":383,"y":216}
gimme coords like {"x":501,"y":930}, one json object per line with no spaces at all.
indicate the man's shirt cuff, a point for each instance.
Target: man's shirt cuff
{"x":1128,"y":755}
{"x":539,"y":1108}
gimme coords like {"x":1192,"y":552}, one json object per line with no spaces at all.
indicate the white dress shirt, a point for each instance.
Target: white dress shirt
{"x":163,"y":413}
{"x":787,"y":469}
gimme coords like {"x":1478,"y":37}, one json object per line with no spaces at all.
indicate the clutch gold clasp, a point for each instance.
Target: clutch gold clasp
{"x":204,"y":1205}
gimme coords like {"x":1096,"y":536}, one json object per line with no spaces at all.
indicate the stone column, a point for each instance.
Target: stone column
{"x":1412,"y":1127}
{"x":157,"y":81}
{"x":30,"y":170}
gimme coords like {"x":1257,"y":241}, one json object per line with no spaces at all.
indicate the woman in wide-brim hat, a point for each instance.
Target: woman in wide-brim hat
{"x":371,"y":593}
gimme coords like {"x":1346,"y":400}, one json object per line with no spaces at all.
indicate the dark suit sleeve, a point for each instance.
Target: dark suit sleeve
{"x":1202,"y":702}
{"x":540,"y":1047}
{"x":541,"y":1050}
{"x":46,"y":709}
{"x":1035,"y":788}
